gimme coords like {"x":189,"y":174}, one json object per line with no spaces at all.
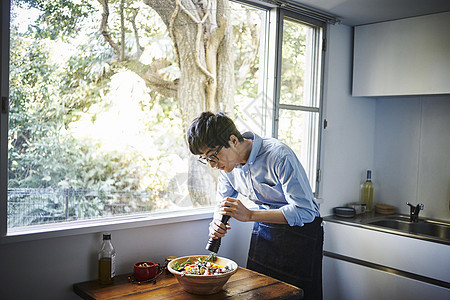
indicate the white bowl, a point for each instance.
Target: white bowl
{"x":203,"y":284}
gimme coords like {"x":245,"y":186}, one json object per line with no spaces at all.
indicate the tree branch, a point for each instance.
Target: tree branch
{"x":122,"y":33}
{"x":217,"y":29}
{"x":139,"y":48}
{"x":158,"y":83}
{"x":152,"y":78}
{"x":172,"y":35}
{"x":104,"y":27}
{"x":200,"y":23}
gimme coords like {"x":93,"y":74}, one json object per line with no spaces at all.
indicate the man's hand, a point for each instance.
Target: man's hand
{"x":217,"y":228}
{"x":234,"y":208}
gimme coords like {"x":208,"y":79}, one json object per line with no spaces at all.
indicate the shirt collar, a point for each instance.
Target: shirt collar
{"x":257,"y":142}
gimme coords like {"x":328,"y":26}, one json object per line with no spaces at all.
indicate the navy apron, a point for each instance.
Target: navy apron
{"x":292,"y":254}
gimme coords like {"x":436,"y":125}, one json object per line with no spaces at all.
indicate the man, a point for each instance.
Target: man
{"x":287,"y":237}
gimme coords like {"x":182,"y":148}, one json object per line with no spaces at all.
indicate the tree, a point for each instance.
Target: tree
{"x":202,"y":40}
{"x":204,"y":53}
{"x":202,"y":37}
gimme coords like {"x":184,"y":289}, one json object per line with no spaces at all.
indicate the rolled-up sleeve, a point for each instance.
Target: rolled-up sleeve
{"x":225,"y":189}
{"x":272,"y":178}
{"x":300,"y":208}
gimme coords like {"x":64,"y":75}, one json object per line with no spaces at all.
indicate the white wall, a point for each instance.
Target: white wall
{"x":347,"y":142}
{"x":47,"y":268}
{"x":362,"y":133}
{"x":52,"y":265}
{"x":405,"y":141}
{"x":412,"y":153}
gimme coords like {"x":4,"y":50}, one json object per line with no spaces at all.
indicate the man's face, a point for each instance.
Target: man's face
{"x":220,"y":157}
{"x":209,"y":156}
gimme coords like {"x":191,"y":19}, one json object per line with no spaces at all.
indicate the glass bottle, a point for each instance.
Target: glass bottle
{"x":106,"y":261}
{"x":367,"y":192}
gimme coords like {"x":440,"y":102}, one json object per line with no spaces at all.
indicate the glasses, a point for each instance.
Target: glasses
{"x":211,"y":158}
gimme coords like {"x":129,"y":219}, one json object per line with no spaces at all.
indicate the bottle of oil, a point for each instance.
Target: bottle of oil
{"x":106,"y":261}
{"x":367,"y":192}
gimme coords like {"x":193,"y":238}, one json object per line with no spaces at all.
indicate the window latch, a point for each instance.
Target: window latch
{"x":4,"y":105}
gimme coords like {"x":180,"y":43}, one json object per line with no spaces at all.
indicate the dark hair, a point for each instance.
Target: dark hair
{"x":211,"y":130}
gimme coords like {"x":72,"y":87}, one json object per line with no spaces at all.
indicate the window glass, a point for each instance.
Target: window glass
{"x":99,"y":99}
{"x":89,"y":136}
{"x":298,"y":109}
{"x":297,"y":64}
{"x":300,"y":130}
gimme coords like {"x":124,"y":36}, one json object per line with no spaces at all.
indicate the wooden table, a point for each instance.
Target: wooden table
{"x":244,"y":284}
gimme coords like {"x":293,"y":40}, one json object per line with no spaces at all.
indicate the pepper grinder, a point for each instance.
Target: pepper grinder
{"x":214,"y":244}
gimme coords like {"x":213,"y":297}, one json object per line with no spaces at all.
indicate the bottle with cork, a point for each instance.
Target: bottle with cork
{"x":367,"y":192}
{"x":106,"y":261}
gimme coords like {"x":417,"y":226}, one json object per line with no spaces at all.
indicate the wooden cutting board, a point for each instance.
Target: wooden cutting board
{"x":384,"y":209}
{"x":245,"y":284}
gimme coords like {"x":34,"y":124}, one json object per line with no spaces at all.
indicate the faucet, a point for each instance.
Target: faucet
{"x":414,"y":212}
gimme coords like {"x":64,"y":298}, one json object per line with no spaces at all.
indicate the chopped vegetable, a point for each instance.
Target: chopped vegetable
{"x":203,"y":266}
{"x":144,"y":265}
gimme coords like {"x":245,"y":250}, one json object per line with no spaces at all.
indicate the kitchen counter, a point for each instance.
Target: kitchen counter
{"x":364,"y":220}
{"x":244,"y":284}
{"x":364,"y":260}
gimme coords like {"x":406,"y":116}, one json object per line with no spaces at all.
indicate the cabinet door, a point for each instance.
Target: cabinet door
{"x":349,"y":281}
{"x":403,"y":57}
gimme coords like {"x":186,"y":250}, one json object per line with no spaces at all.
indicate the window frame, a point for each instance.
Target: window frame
{"x":271,"y":88}
{"x":318,"y":76}
{"x":4,"y":93}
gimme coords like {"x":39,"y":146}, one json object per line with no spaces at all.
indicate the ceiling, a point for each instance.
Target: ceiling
{"x":359,"y":12}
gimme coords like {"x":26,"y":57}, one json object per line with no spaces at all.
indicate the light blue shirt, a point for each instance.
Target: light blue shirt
{"x":273,"y":178}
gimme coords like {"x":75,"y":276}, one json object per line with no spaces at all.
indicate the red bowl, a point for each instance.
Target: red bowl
{"x":145,"y":270}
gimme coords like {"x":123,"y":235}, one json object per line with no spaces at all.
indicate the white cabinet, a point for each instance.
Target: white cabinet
{"x":403,"y":57}
{"x":361,"y":263}
{"x":348,"y":281}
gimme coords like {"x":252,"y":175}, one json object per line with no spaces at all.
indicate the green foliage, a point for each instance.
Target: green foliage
{"x":61,"y":18}
{"x":245,"y":24}
{"x":61,"y":74}
{"x":293,"y":62}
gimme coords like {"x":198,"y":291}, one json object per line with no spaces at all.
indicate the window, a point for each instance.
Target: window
{"x":92,"y":124}
{"x":297,"y":113}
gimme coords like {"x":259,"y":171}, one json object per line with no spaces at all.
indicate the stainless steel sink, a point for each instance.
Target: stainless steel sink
{"x":423,"y":227}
